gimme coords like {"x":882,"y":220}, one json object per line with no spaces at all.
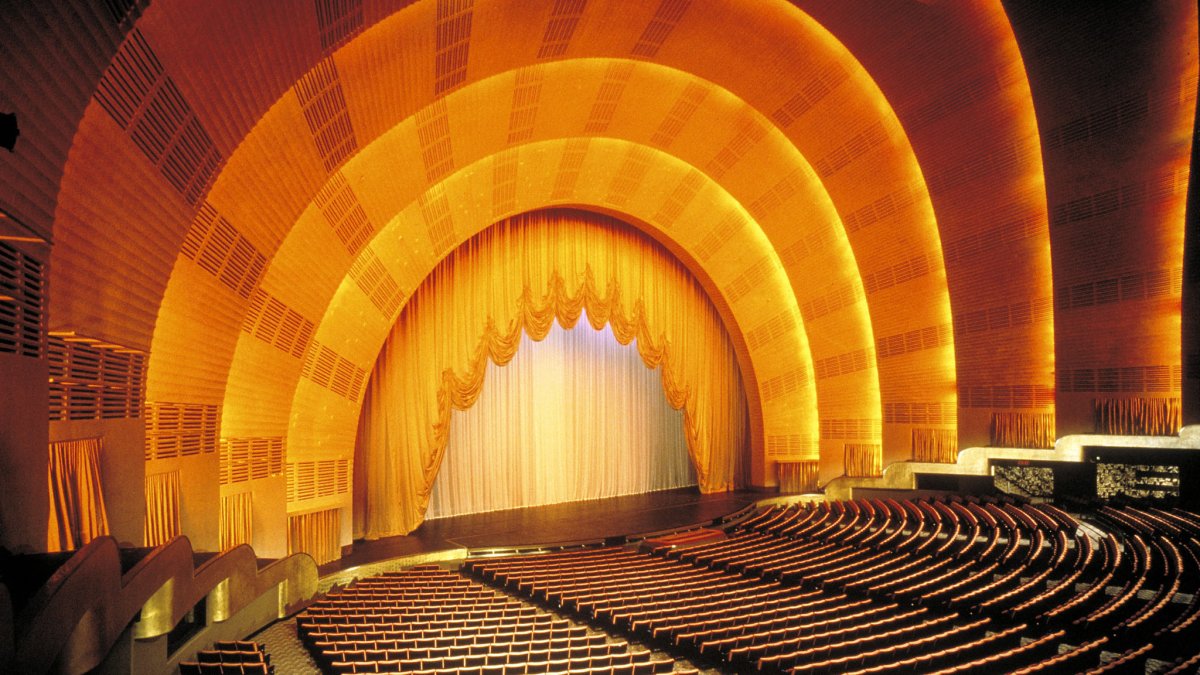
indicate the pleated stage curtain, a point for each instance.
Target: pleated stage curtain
{"x":1023,"y":430}
{"x":576,"y":405}
{"x":935,"y":445}
{"x":1137,"y":416}
{"x":162,"y":508}
{"x":519,"y":277}
{"x":863,"y":459}
{"x":237,"y":519}
{"x":317,"y":533}
{"x":77,"y":513}
{"x":797,"y":477}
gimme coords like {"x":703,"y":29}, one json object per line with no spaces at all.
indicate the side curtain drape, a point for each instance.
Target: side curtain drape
{"x":162,"y":508}
{"x":77,"y":513}
{"x":520,"y":276}
{"x":576,"y":404}
{"x":863,"y":459}
{"x":317,"y":533}
{"x":1137,"y":416}
{"x":237,"y":518}
{"x":1023,"y":430}
{"x":935,"y":445}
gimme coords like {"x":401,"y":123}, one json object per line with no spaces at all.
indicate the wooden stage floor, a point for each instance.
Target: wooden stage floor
{"x":557,"y":523}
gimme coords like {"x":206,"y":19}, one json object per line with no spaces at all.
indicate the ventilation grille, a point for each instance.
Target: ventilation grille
{"x":145,"y":102}
{"x":569,"y":167}
{"x":907,"y":270}
{"x":1021,"y":313}
{"x":344,"y":213}
{"x":221,"y":250}
{"x":1161,"y":283}
{"x":612,"y":88}
{"x":1006,"y":397}
{"x":433,"y":134}
{"x":21,"y":303}
{"x":93,"y":381}
{"x":453,"y":43}
{"x":956,"y":97}
{"x":881,"y":209}
{"x":782,"y":385}
{"x":244,"y":459}
{"x":822,"y":236}
{"x":685,"y":106}
{"x":321,"y":99}
{"x":1165,"y":185}
{"x":526,"y":96}
{"x":749,"y":133}
{"x":774,"y":328}
{"x":929,"y":337}
{"x":564,"y":19}
{"x":325,"y":368}
{"x":775,"y":196}
{"x":1004,"y":161}
{"x":842,"y":156}
{"x":377,"y":283}
{"x":629,"y":176}
{"x":504,"y":184}
{"x":315,"y":479}
{"x":754,"y":277}
{"x":1005,"y":226}
{"x":1101,"y":123}
{"x":666,"y":17}
{"x":720,"y":235}
{"x":789,"y":445}
{"x":435,"y":210}
{"x":180,"y":429}
{"x":1164,"y":378}
{"x":908,"y":412}
{"x":839,"y":297}
{"x":273,"y":322}
{"x":681,"y":196}
{"x":338,"y":21}
{"x":844,"y":364}
{"x":836,"y":429}
{"x":820,"y":86}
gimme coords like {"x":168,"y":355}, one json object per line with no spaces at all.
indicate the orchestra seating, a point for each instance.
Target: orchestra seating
{"x":954,"y":584}
{"x":235,"y":657}
{"x":427,"y":619}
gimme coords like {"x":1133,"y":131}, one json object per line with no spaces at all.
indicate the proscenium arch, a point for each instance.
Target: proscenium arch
{"x":315,"y":429}
{"x":432,"y":369}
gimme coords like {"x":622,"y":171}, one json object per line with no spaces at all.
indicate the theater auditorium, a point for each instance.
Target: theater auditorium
{"x":494,"y":337}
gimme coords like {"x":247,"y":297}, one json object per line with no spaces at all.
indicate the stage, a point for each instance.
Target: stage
{"x":556,"y":523}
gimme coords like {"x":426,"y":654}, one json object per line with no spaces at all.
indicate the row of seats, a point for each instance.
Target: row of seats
{"x":429,"y":619}
{"x":965,"y":585}
{"x":235,"y":657}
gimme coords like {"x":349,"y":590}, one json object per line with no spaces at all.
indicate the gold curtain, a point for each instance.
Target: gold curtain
{"x":162,"y":508}
{"x":77,"y":513}
{"x":317,"y":533}
{"x":237,"y":520}
{"x":935,"y":445}
{"x":1023,"y":430}
{"x":521,"y":275}
{"x":797,"y":477}
{"x":1138,"y":416}
{"x":863,"y":459}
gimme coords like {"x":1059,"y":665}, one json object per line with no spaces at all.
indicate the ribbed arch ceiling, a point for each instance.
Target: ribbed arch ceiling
{"x":855,"y":233}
